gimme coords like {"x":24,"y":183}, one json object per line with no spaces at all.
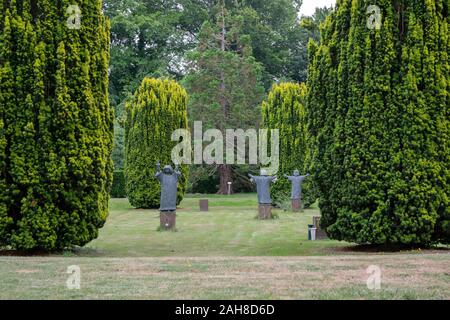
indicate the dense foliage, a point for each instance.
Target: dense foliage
{"x":224,"y":81}
{"x":379,"y":108}
{"x":284,"y":109}
{"x":153,"y":38}
{"x":55,"y":124}
{"x":118,"y":185}
{"x":204,"y":179}
{"x":157,"y":109}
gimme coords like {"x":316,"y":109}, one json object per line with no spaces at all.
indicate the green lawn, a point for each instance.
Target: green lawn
{"x":229,"y":229}
{"x":223,"y":254}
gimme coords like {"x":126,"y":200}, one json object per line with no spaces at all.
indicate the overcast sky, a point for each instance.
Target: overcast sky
{"x":309,"y":6}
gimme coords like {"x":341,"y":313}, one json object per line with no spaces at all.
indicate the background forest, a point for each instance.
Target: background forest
{"x":264,"y":42}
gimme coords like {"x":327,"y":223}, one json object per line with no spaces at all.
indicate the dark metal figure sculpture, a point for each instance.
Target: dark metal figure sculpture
{"x":263,"y":188}
{"x":296,"y":193}
{"x":296,"y":181}
{"x":168,"y":179}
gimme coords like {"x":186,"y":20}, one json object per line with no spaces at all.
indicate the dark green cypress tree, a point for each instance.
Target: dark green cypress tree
{"x":378,"y":111}
{"x":157,"y":109}
{"x":55,"y":124}
{"x":284,"y":109}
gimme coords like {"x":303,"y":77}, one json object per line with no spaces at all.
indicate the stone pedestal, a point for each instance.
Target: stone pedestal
{"x":167,"y":220}
{"x":204,"y":205}
{"x":296,"y":205}
{"x":320,"y":233}
{"x":265,"y":211}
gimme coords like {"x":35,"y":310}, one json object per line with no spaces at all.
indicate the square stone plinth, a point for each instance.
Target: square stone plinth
{"x":265,"y":211}
{"x":296,"y":205}
{"x":168,"y":220}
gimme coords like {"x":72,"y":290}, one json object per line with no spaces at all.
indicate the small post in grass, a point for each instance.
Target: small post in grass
{"x":204,"y":205}
{"x":320,"y":233}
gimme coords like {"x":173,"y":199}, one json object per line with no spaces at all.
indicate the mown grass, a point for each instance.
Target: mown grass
{"x":228,"y":229}
{"x":327,"y":277}
{"x":223,"y":254}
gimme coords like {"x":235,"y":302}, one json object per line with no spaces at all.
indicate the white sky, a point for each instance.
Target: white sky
{"x":309,"y":6}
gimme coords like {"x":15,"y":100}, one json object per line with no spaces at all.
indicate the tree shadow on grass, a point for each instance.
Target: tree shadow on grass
{"x":69,"y":252}
{"x":28,"y":253}
{"x":365,"y":248}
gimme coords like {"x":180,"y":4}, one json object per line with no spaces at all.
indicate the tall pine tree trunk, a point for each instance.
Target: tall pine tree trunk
{"x":225,"y":171}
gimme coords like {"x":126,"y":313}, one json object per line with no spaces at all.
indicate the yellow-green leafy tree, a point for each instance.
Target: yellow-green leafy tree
{"x":157,"y":109}
{"x":55,"y":123}
{"x":378,"y":109}
{"x":284,"y":109}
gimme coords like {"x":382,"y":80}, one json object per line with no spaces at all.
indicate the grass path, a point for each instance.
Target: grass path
{"x":403,"y":277}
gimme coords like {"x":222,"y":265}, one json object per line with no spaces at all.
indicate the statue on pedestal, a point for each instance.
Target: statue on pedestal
{"x":296,"y":193}
{"x":168,"y":179}
{"x":263,"y":189}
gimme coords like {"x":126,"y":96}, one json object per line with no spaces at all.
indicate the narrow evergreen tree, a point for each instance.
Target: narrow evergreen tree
{"x":284,"y":109}
{"x":55,"y":124}
{"x":378,"y":109}
{"x":158,"y":108}
{"x":224,"y":81}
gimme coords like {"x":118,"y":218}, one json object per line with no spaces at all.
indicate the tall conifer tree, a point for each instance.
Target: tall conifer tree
{"x":378,"y":108}
{"x":55,"y":123}
{"x":158,"y":108}
{"x":224,"y":81}
{"x":284,"y":110}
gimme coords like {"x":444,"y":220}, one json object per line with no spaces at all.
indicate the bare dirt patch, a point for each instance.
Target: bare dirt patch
{"x":26,"y":271}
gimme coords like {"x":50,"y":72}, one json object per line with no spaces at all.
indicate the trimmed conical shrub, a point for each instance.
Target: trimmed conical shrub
{"x":55,"y":123}
{"x":284,"y":109}
{"x":378,"y":108}
{"x":157,"y":109}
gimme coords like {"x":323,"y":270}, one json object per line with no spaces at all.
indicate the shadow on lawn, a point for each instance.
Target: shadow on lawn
{"x":328,"y":251}
{"x":30,"y":253}
{"x":76,"y":251}
{"x":393,"y":249}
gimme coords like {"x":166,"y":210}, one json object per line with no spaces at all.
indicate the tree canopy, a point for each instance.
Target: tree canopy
{"x":157,"y":109}
{"x":378,"y":108}
{"x":55,"y":124}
